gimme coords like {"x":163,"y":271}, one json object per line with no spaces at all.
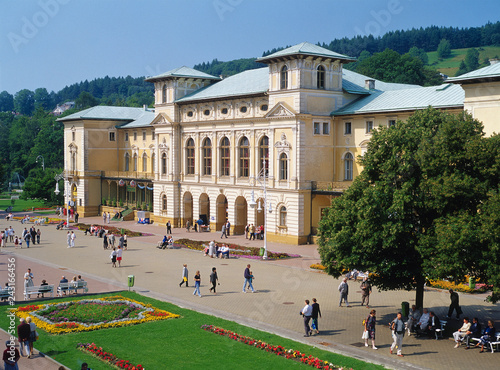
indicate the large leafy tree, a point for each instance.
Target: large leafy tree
{"x":24,"y":102}
{"x":422,"y":179}
{"x":6,"y":102}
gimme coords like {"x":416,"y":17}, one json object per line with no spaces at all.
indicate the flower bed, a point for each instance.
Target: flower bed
{"x":462,"y":287}
{"x":277,"y":350}
{"x":317,"y":266}
{"x":113,"y":230}
{"x":91,"y":314}
{"x":236,"y":250}
{"x":107,"y":357}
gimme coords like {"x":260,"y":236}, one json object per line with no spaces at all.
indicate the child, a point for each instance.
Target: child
{"x":16,"y":241}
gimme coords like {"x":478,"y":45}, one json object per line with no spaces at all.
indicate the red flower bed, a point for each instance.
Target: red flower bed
{"x":277,"y":350}
{"x":107,"y":357}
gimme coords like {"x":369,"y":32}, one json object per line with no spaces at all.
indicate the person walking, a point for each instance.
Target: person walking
{"x":344,"y":292}
{"x":169,"y":227}
{"x":113,"y":257}
{"x":247,"y":229}
{"x":121,"y":241}
{"x":119,"y":253}
{"x":214,"y":279}
{"x":68,"y":239}
{"x":306,"y":314}
{"x":188,"y":225}
{"x":111,"y":240}
{"x":23,"y":335}
{"x":252,"y":232}
{"x":108,"y":218}
{"x":73,"y":237}
{"x":11,"y":356}
{"x":370,"y":323}
{"x":27,"y":238}
{"x":223,"y":231}
{"x":366,"y":289}
{"x":38,"y":235}
{"x":33,"y":235}
{"x":185,"y":276}
{"x":125,"y":241}
{"x":248,"y":279}
{"x":105,"y":241}
{"x":398,"y":328}
{"x":104,"y":217}
{"x":315,"y":313}
{"x":228,"y":228}
{"x":454,"y":305}
{"x":197,"y":283}
{"x":76,"y":217}
{"x":33,"y":334}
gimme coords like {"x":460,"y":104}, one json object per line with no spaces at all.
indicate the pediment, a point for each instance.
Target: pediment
{"x":161,"y":119}
{"x":281,"y":109}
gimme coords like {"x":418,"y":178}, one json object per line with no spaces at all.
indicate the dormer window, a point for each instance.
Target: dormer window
{"x":320,"y":83}
{"x":264,"y":107}
{"x":190,"y":113}
{"x":284,"y":78}
{"x":224,"y":111}
{"x":206,"y":112}
{"x":243,"y":109}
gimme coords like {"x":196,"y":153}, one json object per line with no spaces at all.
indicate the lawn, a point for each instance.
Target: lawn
{"x":449,"y":66}
{"x":20,"y":204}
{"x":177,"y":343}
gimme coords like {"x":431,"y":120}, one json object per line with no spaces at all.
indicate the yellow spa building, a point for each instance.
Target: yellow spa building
{"x":210,"y":143}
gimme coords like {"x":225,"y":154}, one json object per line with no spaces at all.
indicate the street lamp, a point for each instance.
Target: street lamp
{"x":43,"y":161}
{"x":252,"y":202}
{"x":57,"y":178}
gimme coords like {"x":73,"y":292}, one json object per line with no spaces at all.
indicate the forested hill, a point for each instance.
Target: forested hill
{"x":402,"y":41}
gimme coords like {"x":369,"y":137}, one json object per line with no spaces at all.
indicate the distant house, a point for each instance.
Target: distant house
{"x":60,"y":109}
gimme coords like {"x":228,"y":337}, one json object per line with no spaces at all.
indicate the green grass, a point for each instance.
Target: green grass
{"x":178,"y":343}
{"x":20,"y":204}
{"x":449,"y":66}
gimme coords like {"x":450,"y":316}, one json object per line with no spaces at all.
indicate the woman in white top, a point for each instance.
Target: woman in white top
{"x":33,"y":334}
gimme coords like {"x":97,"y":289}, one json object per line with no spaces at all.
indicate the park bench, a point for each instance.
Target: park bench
{"x":494,"y":345}
{"x":439,"y":331}
{"x":41,"y":289}
{"x":4,"y":294}
{"x":72,"y":286}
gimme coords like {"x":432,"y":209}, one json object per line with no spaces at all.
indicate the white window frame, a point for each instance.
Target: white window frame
{"x":391,"y":120}
{"x":369,"y":126}
{"x":346,"y":123}
{"x":316,"y":128}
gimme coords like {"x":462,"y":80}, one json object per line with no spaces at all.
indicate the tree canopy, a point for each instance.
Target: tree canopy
{"x":424,"y":206}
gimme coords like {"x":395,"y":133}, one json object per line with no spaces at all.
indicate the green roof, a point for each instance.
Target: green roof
{"x":183,"y":71}
{"x":489,"y":72}
{"x":251,"y":82}
{"x":444,"y":96}
{"x":306,"y":48}
{"x":134,"y":117}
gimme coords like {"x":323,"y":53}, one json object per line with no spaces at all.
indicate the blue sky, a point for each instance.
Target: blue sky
{"x":54,"y":43}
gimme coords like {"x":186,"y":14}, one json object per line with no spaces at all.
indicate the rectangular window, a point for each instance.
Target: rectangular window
{"x":126,"y":136}
{"x":392,"y":122}
{"x":73,"y":136}
{"x":135,"y":136}
{"x":144,"y":135}
{"x":317,"y":128}
{"x":347,"y":128}
{"x":153,"y":135}
{"x":111,"y":136}
{"x":326,"y":128}
{"x":369,"y":126}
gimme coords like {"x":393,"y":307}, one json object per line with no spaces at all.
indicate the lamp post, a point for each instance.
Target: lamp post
{"x":43,"y":162}
{"x":252,"y":203}
{"x":57,"y":178}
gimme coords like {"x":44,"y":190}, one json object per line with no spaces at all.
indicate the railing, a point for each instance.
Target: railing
{"x":129,"y":174}
{"x":326,"y":186}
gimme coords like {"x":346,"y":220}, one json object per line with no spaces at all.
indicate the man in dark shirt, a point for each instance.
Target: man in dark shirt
{"x":248,"y":280}
{"x":434,"y":323}
{"x":315,"y":313}
{"x":23,"y":333}
{"x":473,"y":332}
{"x":454,"y":304}
{"x":63,"y":280}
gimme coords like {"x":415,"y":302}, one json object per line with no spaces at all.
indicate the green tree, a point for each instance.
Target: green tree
{"x":419,"y":53}
{"x":24,"y":102}
{"x":42,"y":99}
{"x":41,"y":184}
{"x":444,"y":49}
{"x":418,"y":175}
{"x":472,"y":59}
{"x":6,"y":102}
{"x":462,"y":68}
{"x":86,"y":100}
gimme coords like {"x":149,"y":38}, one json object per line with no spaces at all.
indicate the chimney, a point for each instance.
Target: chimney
{"x":145,"y":107}
{"x":494,"y":61}
{"x":370,"y":84}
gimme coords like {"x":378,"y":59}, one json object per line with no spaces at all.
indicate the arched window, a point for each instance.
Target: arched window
{"x":190,"y":157}
{"x":224,"y":157}
{"x":164,"y":202}
{"x":244,"y":152}
{"x":144,"y":163}
{"x":207,"y":156}
{"x":135,"y":162}
{"x":348,"y":166}
{"x":284,"y":77}
{"x":320,"y":80}
{"x":164,"y":164}
{"x":164,"y":94}
{"x":127,"y":162}
{"x":283,"y":216}
{"x":283,"y":167}
{"x":264,"y":154}
{"x":153,"y":163}
{"x":73,"y":161}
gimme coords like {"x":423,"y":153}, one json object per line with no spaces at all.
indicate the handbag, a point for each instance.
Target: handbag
{"x":185,"y":278}
{"x":365,"y":335}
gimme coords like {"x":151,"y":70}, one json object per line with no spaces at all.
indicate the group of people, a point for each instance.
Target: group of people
{"x":117,"y":255}
{"x":27,"y":335}
{"x":28,"y":236}
{"x":252,"y":232}
{"x":106,"y":217}
{"x":70,"y":239}
{"x":214,"y":280}
{"x":308,"y":313}
{"x":73,"y":283}
{"x":216,"y":250}
{"x":167,"y":242}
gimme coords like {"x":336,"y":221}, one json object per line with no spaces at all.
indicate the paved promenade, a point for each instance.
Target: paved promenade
{"x":282,"y":287}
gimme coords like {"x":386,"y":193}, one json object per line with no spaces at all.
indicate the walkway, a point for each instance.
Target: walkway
{"x":282,"y":287}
